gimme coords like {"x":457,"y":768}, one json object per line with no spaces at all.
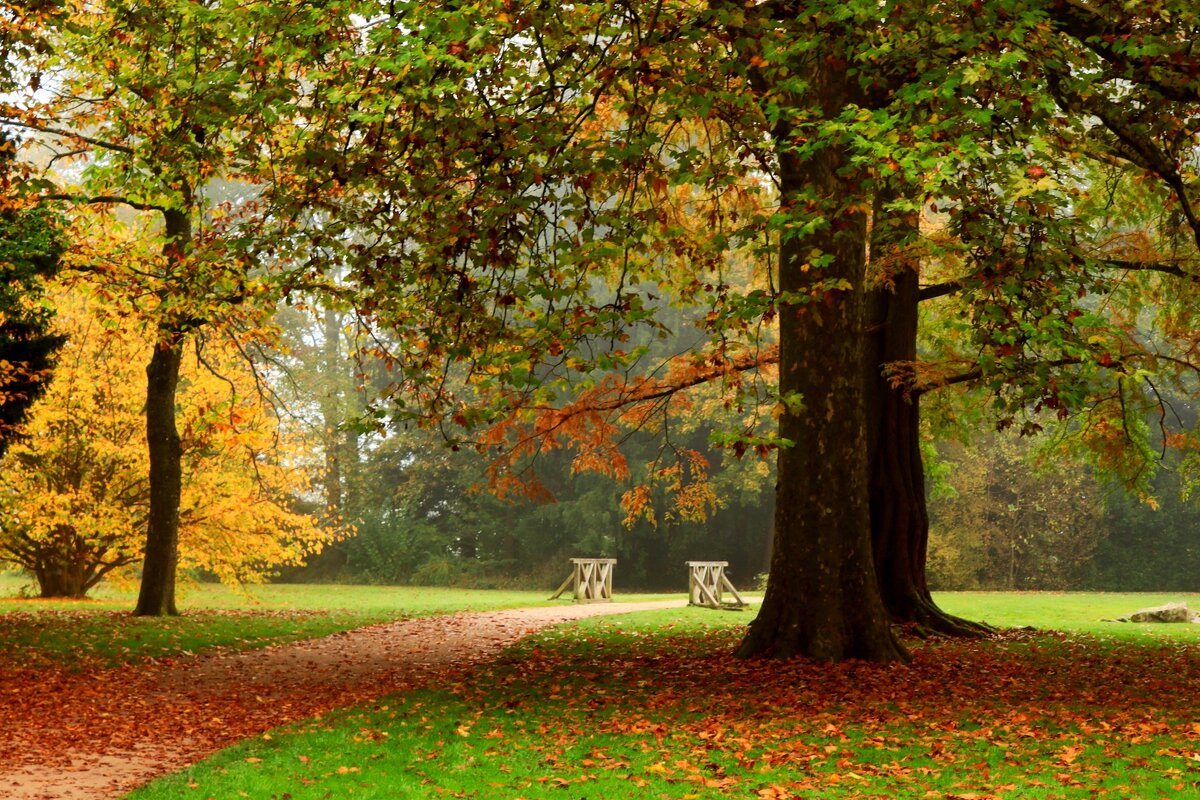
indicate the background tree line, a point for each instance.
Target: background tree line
{"x":422,"y":511}
{"x":1011,"y":514}
{"x":1007,"y":512}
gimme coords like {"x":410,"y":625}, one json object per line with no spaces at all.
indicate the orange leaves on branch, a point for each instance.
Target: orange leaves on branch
{"x":505,"y":484}
{"x":684,"y":484}
{"x":594,"y":424}
{"x":638,"y":503}
{"x":592,"y":433}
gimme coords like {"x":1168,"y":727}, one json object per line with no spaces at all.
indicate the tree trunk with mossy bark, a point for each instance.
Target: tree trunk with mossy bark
{"x":822,"y":599}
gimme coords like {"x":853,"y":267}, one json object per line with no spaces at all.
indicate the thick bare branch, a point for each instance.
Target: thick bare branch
{"x":104,"y":200}
{"x":941,"y":289}
{"x":946,"y":288}
{"x":1165,"y":267}
{"x":977,"y":373}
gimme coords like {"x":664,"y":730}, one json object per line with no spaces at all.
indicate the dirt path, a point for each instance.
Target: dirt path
{"x":101,"y":734}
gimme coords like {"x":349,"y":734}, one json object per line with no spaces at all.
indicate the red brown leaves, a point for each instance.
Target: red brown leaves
{"x":979,"y":720}
{"x":118,"y":727}
{"x":594,"y":422}
{"x":969,"y":720}
{"x":170,"y":712}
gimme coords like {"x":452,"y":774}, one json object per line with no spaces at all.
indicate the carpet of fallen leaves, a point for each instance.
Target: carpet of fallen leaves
{"x":87,"y":731}
{"x":1015,"y":716}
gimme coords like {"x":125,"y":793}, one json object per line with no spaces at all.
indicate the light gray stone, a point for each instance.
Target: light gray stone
{"x":1169,"y":612}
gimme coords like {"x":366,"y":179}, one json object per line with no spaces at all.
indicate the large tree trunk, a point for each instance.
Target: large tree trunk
{"x":822,"y":599}
{"x":64,"y":566}
{"x":899,"y":514}
{"x":60,"y":569}
{"x":55,"y":581}
{"x":157,"y":595}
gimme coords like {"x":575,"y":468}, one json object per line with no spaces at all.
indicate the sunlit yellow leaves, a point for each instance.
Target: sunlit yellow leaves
{"x":78,"y":482}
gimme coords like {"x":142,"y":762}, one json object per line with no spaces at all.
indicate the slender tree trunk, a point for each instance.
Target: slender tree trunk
{"x":1012,"y":568}
{"x":157,"y":595}
{"x":899,"y":514}
{"x":822,"y":599}
{"x":330,"y":414}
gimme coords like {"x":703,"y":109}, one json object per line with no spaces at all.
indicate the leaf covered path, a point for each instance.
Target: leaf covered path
{"x":99,"y":733}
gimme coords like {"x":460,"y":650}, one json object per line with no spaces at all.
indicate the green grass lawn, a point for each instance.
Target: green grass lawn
{"x":378,"y":600}
{"x":102,"y":632}
{"x":1075,"y":612}
{"x":651,"y":705}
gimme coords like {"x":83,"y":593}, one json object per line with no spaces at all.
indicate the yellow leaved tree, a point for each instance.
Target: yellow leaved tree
{"x":74,"y":494}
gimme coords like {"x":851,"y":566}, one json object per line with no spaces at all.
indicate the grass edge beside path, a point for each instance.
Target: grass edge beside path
{"x":102,"y":633}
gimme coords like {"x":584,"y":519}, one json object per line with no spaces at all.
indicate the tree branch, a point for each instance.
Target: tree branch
{"x":1099,"y":33}
{"x":1149,"y":266}
{"x":65,"y":134}
{"x":941,"y":289}
{"x":104,"y":199}
{"x":935,"y":290}
{"x":1138,"y":149}
{"x":977,"y":373}
{"x":660,"y":388}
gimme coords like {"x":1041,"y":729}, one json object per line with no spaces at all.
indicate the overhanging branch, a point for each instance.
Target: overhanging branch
{"x":950,"y":287}
{"x":659,"y":388}
{"x":977,"y":373}
{"x":941,"y":289}
{"x":104,"y":200}
{"x":1131,"y":143}
{"x":1165,"y":267}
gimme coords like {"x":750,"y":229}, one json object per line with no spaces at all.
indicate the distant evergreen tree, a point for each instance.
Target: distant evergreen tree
{"x":1149,"y":549}
{"x":30,"y":248}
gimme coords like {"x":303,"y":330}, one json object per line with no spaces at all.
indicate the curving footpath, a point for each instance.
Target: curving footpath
{"x":102,"y":734}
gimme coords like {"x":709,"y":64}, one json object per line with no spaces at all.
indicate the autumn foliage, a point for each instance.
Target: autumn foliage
{"x":74,"y":494}
{"x":514,"y":196}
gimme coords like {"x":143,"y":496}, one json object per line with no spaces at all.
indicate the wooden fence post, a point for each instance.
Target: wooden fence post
{"x":591,"y":579}
{"x":707,"y":582}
